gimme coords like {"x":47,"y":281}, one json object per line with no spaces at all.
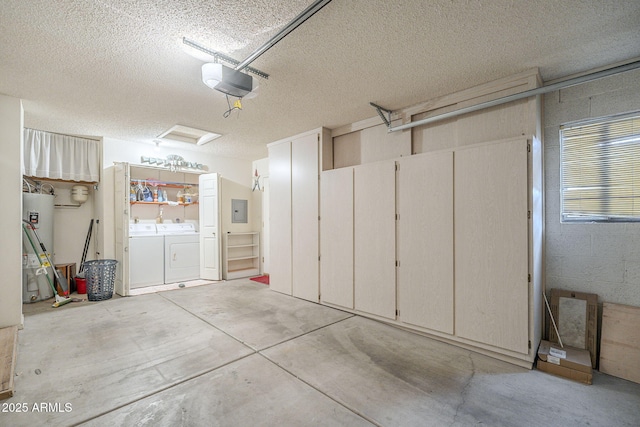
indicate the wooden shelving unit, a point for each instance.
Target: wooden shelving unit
{"x":241,"y":255}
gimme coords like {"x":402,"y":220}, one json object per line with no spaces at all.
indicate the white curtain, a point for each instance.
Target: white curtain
{"x":55,"y":156}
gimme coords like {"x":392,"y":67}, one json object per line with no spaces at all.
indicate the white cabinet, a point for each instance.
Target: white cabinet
{"x":280,"y":217}
{"x":305,"y":208}
{"x":492,"y":245}
{"x":375,"y":238}
{"x":336,"y":235}
{"x":425,"y":240}
{"x":294,"y":167}
{"x":466,"y":237}
{"x":241,"y":256}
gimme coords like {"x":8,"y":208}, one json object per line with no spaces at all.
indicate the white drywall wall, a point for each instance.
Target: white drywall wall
{"x":11,"y":122}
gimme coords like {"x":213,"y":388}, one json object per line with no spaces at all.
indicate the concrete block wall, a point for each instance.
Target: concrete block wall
{"x":598,"y":258}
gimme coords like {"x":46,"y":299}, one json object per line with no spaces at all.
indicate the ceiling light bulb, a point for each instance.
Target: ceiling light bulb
{"x":211,"y":74}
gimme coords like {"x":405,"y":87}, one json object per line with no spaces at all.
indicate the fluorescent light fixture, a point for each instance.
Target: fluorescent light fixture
{"x":189,"y":135}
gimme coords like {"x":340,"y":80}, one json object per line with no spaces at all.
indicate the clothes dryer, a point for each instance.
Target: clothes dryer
{"x":181,"y":251}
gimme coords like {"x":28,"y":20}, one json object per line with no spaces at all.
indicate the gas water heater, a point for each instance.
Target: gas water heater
{"x":38,"y":210}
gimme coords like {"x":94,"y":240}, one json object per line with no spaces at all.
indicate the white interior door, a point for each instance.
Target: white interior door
{"x":375,"y":238}
{"x":336,"y":237}
{"x":425,"y":240}
{"x":491,"y":245}
{"x":209,"y":226}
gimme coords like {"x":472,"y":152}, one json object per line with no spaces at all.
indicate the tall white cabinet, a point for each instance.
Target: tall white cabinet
{"x":425,"y":241}
{"x":280,"y":217}
{"x":375,"y":238}
{"x":336,"y":235}
{"x":445,"y":243}
{"x":294,"y":209}
{"x":438,"y":230}
{"x":492,"y":244}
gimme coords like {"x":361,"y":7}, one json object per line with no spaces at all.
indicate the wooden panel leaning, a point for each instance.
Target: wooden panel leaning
{"x":576,"y":314}
{"x":620,"y":345}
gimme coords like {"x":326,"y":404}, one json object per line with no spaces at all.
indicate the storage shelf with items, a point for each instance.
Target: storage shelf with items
{"x":241,"y":255}
{"x":152,"y":191}
{"x":162,"y":195}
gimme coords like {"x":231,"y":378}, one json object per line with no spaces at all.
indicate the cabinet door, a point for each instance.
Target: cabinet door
{"x":375,"y":238}
{"x":209,"y":227}
{"x":280,"y":217}
{"x":304,"y":216}
{"x":425,"y":241}
{"x":336,"y":237}
{"x":491,"y":245}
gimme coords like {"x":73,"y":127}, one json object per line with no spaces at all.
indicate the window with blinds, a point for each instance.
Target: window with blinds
{"x":600,"y":169}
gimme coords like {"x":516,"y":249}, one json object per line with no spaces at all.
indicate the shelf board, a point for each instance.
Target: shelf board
{"x":253,"y":245}
{"x":243,"y":258}
{"x":246,"y":233}
{"x":242,"y":269}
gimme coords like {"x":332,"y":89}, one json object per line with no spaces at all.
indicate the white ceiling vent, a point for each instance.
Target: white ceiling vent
{"x":189,"y":135}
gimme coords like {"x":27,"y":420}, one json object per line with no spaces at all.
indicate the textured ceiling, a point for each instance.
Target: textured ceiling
{"x":117,"y":68}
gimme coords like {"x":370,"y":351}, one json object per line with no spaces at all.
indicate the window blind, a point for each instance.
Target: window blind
{"x":600,"y":169}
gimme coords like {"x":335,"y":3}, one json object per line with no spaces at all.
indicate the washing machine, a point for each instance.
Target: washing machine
{"x":181,"y":251}
{"x":146,"y":256}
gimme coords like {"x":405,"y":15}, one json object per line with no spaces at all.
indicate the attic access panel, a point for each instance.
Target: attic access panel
{"x":180,"y":133}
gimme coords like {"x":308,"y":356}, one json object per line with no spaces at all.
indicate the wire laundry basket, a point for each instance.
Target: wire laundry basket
{"x":100,"y":275}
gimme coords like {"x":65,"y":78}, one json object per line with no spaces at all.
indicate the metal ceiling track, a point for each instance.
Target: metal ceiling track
{"x":218,"y":56}
{"x":297,"y":21}
{"x":517,"y":96}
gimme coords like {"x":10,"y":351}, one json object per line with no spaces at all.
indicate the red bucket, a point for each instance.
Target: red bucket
{"x":81,"y":285}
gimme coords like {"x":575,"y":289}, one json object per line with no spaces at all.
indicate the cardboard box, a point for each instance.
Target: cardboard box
{"x":562,"y":371}
{"x":69,"y":272}
{"x":568,"y":362}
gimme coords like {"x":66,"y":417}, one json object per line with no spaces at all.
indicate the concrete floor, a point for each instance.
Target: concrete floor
{"x":238,"y":354}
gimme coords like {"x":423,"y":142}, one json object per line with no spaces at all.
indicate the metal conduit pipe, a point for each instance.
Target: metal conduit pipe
{"x":532,"y":92}
{"x":297,"y":21}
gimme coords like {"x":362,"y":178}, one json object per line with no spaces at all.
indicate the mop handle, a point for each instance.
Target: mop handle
{"x":86,"y":247}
